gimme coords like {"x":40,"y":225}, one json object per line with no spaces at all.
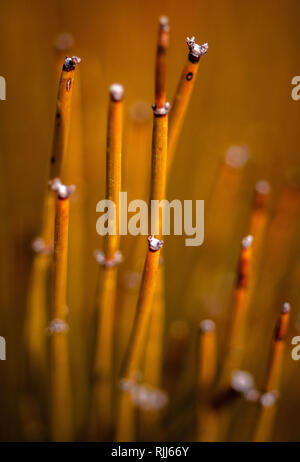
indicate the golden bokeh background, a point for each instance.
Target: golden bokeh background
{"x":242,"y":99}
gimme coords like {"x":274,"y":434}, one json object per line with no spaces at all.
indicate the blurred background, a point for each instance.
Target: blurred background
{"x":241,"y":127}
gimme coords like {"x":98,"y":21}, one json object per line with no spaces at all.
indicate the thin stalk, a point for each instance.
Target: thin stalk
{"x":183,"y":95}
{"x":236,"y":338}
{"x":236,"y":345}
{"x":149,"y":424}
{"x":103,"y":365}
{"x":206,"y":375}
{"x":60,"y":386}
{"x":268,"y":405}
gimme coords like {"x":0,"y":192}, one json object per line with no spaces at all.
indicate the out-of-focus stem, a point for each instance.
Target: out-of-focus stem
{"x":268,"y":405}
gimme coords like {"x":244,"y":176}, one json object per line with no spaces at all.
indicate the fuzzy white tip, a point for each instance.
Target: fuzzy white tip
{"x":63,"y":191}
{"x":207,"y":325}
{"x":247,"y":241}
{"x":241,"y":381}
{"x":237,"y":156}
{"x":286,"y":308}
{"x":154,"y":243}
{"x":116,"y":91}
{"x":164,"y":22}
{"x":263,"y":187}
{"x":196,"y":50}
{"x":269,"y":398}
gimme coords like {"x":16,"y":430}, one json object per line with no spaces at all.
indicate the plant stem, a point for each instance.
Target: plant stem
{"x":183,"y":95}
{"x":206,"y":375}
{"x":103,"y":366}
{"x":61,"y":405}
{"x":236,"y":339}
{"x":268,"y":405}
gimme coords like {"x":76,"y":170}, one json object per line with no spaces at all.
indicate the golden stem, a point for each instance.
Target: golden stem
{"x":103,"y":367}
{"x":182,"y":99}
{"x":61,"y":406}
{"x":267,"y":411}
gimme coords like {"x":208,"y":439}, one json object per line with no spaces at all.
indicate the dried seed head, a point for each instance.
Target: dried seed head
{"x":247,"y":241}
{"x":241,"y":381}
{"x":269,"y":398}
{"x":196,"y":51}
{"x":71,"y":63}
{"x":116,"y":92}
{"x":286,"y":308}
{"x":207,"y":326}
{"x":63,"y":191}
{"x":154,"y":244}
{"x":164,"y":23}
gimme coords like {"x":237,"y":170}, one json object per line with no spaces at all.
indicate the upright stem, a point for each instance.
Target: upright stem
{"x":103,"y":367}
{"x":61,"y":405}
{"x":268,"y":405}
{"x":183,"y":95}
{"x":236,"y":340}
{"x":62,"y":116}
{"x":206,"y":375}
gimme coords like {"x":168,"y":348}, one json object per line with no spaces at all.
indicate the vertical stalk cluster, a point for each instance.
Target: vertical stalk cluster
{"x":43,"y":245}
{"x":158,"y":186}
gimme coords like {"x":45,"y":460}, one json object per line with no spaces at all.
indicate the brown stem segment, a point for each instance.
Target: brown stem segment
{"x":161,"y":62}
{"x":276,"y":359}
{"x":240,"y":308}
{"x":183,"y":95}
{"x":113,"y":162}
{"x":62,"y":115}
{"x":61,"y":416}
{"x":268,"y":405}
{"x":103,"y":366}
